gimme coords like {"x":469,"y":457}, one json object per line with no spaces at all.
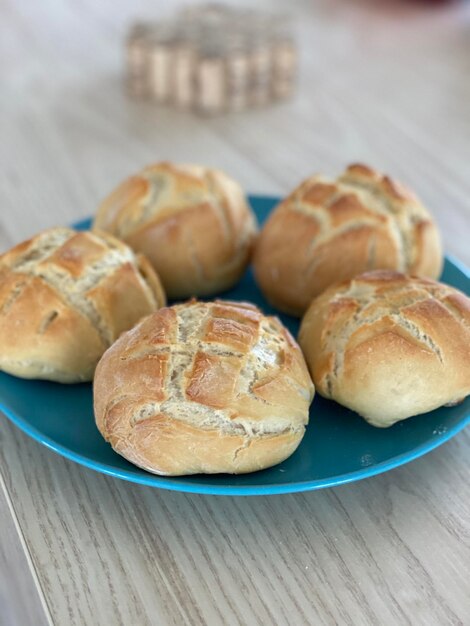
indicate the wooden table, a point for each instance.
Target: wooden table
{"x":384,"y":83}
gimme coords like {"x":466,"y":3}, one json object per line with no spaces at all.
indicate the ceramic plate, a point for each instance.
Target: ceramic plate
{"x":338,"y":447}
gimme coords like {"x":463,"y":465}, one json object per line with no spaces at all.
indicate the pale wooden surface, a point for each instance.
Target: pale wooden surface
{"x":18,"y":579}
{"x":387,"y":83}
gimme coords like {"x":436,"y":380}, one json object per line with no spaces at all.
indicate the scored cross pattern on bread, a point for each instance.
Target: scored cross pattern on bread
{"x":65,"y":296}
{"x":204,"y":387}
{"x":193,"y":224}
{"x":326,"y":231}
{"x":389,"y":346}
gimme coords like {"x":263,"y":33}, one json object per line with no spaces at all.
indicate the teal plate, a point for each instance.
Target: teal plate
{"x":338,"y":447}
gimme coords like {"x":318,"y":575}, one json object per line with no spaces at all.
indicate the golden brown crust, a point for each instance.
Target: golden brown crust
{"x":389,"y":346}
{"x":328,"y":231}
{"x":203,"y":387}
{"x":65,"y":296}
{"x":192,"y":223}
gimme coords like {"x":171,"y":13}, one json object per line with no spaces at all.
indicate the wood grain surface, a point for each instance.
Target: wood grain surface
{"x":381,"y":82}
{"x":21,"y":598}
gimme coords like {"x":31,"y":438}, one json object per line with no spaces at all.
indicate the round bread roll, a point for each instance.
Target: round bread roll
{"x":389,"y":346}
{"x":328,"y":231}
{"x":204,"y":387}
{"x":65,"y":296}
{"x":192,"y":223}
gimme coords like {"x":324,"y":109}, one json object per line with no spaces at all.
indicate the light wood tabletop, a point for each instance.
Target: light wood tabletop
{"x":386,"y":83}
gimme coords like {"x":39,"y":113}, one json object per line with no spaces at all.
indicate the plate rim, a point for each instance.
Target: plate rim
{"x":168,"y":483}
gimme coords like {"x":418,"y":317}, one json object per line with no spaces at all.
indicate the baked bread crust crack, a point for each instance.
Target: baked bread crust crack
{"x":65,"y":296}
{"x":389,"y":346}
{"x":204,"y":387}
{"x":327,"y":231}
{"x":193,"y":223}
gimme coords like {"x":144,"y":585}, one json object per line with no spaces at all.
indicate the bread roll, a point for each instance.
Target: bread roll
{"x":327,"y":231}
{"x":389,"y":346}
{"x":192,"y":223}
{"x":204,"y":387}
{"x":65,"y":296}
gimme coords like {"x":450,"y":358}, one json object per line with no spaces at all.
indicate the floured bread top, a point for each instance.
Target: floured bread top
{"x":65,"y":296}
{"x":193,"y":223}
{"x":216,"y":365}
{"x":163,"y":190}
{"x":328,"y":230}
{"x":389,"y":345}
